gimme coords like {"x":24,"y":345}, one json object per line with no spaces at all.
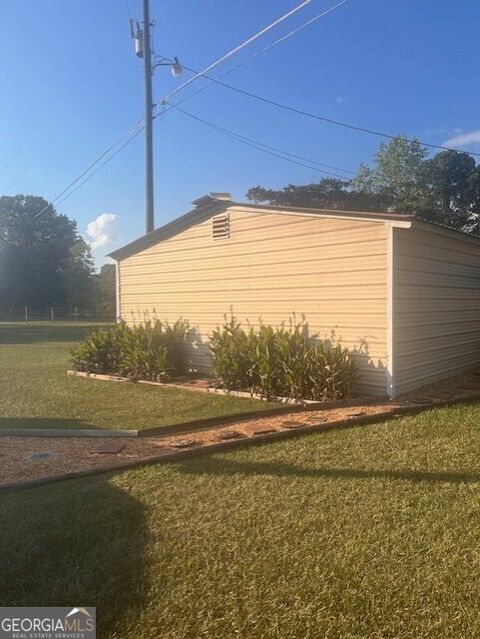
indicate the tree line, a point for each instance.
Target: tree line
{"x":45,"y":262}
{"x":444,"y":189}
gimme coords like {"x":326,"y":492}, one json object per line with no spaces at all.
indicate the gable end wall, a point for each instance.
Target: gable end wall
{"x":332,"y":270}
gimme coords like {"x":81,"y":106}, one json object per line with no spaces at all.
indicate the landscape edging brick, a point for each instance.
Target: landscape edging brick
{"x":287,"y":401}
{"x":244,"y":441}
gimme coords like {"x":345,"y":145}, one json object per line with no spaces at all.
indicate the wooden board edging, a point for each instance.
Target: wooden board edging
{"x":179,"y":455}
{"x":65,"y":432}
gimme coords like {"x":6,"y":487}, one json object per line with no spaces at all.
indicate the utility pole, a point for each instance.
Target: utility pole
{"x":143,"y":49}
{"x":147,"y":76}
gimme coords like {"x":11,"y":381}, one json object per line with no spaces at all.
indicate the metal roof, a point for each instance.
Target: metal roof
{"x":214,"y":203}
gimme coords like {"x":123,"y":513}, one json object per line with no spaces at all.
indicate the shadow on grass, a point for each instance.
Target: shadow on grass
{"x":81,"y":543}
{"x":31,"y":334}
{"x":226,"y":467}
{"x":45,"y":422}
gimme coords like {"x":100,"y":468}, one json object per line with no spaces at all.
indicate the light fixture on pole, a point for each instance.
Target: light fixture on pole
{"x":141,"y":37}
{"x":175,"y":66}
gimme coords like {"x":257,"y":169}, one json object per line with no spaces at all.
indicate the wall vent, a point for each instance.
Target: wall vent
{"x":221,"y":227}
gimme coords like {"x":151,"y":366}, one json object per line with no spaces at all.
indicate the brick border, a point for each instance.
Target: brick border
{"x":207,"y":422}
{"x":214,"y":391}
{"x":190,"y":426}
{"x":279,"y":435}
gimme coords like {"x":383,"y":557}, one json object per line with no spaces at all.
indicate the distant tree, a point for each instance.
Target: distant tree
{"x":106,"y":295}
{"x":328,"y":193}
{"x":77,"y":276}
{"x":444,"y":189}
{"x":43,"y":260}
{"x":396,"y":173}
{"x":450,"y":191}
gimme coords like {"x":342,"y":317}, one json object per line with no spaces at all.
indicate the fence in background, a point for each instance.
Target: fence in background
{"x":57,"y":314}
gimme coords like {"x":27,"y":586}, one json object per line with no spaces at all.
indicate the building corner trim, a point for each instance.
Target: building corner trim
{"x":391,"y":386}
{"x":117,"y":290}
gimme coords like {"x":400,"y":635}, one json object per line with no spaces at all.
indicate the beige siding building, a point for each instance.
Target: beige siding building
{"x":402,"y":295}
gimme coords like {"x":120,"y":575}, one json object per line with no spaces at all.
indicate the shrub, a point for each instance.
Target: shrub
{"x":101,"y":351}
{"x":152,"y":350}
{"x":281,"y":361}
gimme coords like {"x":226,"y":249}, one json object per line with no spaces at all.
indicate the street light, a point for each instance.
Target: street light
{"x":175,"y":66}
{"x":140,"y":33}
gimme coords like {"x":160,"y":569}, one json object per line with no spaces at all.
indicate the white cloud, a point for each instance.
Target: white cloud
{"x":103,"y":230}
{"x":463,"y":139}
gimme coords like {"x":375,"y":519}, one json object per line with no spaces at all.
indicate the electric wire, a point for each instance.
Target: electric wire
{"x":298,"y":111}
{"x":54,"y":136}
{"x":110,"y":157}
{"x":166,"y":6}
{"x":48,"y":109}
{"x":302,"y":112}
{"x":118,"y":141}
{"x":236,"y":49}
{"x":188,"y":82}
{"x":270,"y":150}
{"x":273,"y":150}
{"x":257,"y":53}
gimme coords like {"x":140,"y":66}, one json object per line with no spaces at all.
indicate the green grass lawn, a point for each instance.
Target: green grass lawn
{"x":35,"y":392}
{"x":366,"y":533}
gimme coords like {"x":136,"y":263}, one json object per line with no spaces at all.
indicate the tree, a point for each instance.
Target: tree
{"x":397,"y":172}
{"x":78,"y":281}
{"x":42,"y":257}
{"x":328,"y":193}
{"x":106,"y":288}
{"x":450,"y":191}
{"x":444,"y":189}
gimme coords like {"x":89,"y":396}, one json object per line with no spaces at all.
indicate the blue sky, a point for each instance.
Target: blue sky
{"x":403,"y":67}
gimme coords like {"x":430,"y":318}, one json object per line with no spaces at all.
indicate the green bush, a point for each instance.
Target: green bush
{"x":282,"y":361}
{"x":152,"y":350}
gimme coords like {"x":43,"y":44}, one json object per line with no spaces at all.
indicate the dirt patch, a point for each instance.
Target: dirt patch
{"x":32,"y":458}
{"x":26,"y":459}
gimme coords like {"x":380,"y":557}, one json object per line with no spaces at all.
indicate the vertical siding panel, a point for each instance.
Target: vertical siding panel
{"x":437,"y":293}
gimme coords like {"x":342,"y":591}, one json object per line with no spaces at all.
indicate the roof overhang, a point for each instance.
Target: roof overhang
{"x":205,"y":207}
{"x":396,"y":219}
{"x":446,"y":231}
{"x":214,"y":203}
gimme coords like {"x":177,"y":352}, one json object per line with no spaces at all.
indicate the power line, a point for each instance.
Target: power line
{"x":236,"y":49}
{"x":39,"y":121}
{"x":274,"y":151}
{"x":314,"y":116}
{"x":47,"y":144}
{"x":197,"y":75}
{"x":93,"y":164}
{"x":258,"y":53}
{"x":102,"y":165}
{"x":265,"y":148}
{"x":26,"y":167}
{"x":167,"y":4}
{"x":296,"y":110}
